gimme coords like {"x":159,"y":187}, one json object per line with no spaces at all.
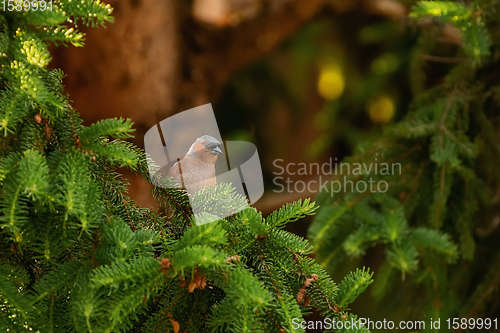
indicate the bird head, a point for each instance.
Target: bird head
{"x":206,"y":147}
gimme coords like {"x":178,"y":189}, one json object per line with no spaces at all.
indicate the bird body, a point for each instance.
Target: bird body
{"x":196,"y":169}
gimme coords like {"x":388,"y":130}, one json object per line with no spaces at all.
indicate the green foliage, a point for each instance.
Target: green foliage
{"x":436,"y":220}
{"x":78,"y":255}
{"x":476,"y":38}
{"x":353,"y":285}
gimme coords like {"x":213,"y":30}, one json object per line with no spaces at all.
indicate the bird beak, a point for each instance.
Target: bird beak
{"x":217,"y":151}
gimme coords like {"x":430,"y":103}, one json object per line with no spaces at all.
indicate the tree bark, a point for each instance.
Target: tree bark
{"x":130,"y":69}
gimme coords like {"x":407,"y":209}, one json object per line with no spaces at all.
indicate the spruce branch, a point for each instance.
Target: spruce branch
{"x":353,"y":285}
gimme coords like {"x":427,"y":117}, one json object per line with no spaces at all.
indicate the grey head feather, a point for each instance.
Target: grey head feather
{"x":213,"y":142}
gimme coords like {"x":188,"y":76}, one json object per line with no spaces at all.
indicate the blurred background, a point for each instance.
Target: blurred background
{"x":304,"y":80}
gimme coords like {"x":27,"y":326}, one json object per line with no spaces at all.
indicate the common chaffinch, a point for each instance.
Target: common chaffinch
{"x":196,"y":169}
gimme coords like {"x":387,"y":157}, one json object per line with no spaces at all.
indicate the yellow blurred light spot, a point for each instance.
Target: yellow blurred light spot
{"x":381,"y":110}
{"x":436,"y":12}
{"x":331,"y":82}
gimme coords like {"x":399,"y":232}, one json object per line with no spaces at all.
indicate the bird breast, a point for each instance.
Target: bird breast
{"x":193,"y":174}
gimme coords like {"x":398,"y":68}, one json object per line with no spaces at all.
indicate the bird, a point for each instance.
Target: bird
{"x":196,"y":170}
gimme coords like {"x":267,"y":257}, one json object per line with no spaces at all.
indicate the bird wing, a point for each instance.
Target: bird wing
{"x":175,"y":173}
